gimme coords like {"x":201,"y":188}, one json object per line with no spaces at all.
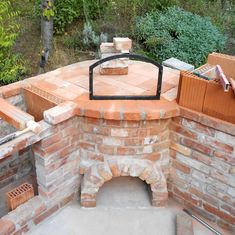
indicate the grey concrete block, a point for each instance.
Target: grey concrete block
{"x":178,"y":64}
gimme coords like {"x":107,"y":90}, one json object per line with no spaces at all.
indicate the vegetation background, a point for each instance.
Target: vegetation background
{"x":80,"y":26}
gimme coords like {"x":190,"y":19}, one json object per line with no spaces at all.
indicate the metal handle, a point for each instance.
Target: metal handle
{"x":131,"y":56}
{"x":202,"y":222}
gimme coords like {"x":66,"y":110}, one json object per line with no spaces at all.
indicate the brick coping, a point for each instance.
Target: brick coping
{"x":67,"y":83}
{"x":206,"y":120}
{"x":70,"y":84}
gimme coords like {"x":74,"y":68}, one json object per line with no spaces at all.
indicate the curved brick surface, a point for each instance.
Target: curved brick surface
{"x":105,"y":139}
{"x":70,"y":83}
{"x":102,"y":172}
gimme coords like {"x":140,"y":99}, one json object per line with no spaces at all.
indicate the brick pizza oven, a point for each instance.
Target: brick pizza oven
{"x":84,"y":143}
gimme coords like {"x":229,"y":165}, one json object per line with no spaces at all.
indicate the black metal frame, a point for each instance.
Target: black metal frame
{"x":131,"y":56}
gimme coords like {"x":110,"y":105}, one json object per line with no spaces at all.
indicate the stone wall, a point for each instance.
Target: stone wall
{"x":203,"y":166}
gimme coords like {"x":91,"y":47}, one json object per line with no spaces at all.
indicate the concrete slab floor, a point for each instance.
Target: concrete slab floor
{"x":123,"y":208}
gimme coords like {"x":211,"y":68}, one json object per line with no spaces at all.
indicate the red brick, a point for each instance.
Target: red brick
{"x":152,"y":157}
{"x":133,"y":141}
{"x":51,"y":140}
{"x":183,"y":131}
{"x":125,"y":151}
{"x":197,"y":146}
{"x":67,"y":150}
{"x":113,"y":165}
{"x":92,"y":112}
{"x":200,"y":211}
{"x":86,"y":145}
{"x":12,"y":89}
{"x":95,"y":156}
{"x":88,"y":197}
{"x":228,"y":208}
{"x":205,"y":197}
{"x":187,"y":196}
{"x":66,"y":200}
{"x":218,"y":124}
{"x":70,"y":131}
{"x":60,"y":113}
{"x":122,"y":44}
{"x":115,"y":123}
{"x":224,"y":156}
{"x":46,"y":214}
{"x":174,"y":137}
{"x":173,"y":153}
{"x":201,"y":157}
{"x":105,"y":149}
{"x":114,"y":71}
{"x":131,"y":123}
{"x":23,"y":151}
{"x":198,"y":127}
{"x":56,"y":146}
{"x":8,"y":173}
{"x":188,"y":113}
{"x":225,"y":225}
{"x":94,"y":179}
{"x":88,"y":203}
{"x":119,"y":132}
{"x":181,"y":167}
{"x":161,"y":146}
{"x":220,"y":146}
{"x":155,"y":130}
{"x":95,"y":121}
{"x":225,"y":216}
{"x":6,"y":227}
{"x":23,"y":230}
{"x":181,"y":149}
{"x":39,"y":210}
{"x":95,"y":129}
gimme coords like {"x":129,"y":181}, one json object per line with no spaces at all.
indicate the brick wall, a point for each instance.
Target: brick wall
{"x":15,"y":166}
{"x":106,"y":139}
{"x":199,"y":149}
{"x":57,"y":161}
{"x":203,"y":167}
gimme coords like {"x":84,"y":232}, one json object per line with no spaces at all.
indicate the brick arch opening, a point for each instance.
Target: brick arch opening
{"x":101,"y":172}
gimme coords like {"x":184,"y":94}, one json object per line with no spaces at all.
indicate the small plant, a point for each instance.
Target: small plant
{"x":90,"y":39}
{"x":87,"y":39}
{"x":178,"y":33}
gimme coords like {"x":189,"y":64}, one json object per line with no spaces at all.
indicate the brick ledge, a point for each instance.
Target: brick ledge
{"x":206,"y":120}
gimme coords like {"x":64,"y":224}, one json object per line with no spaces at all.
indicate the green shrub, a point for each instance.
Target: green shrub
{"x":66,"y":11}
{"x":178,"y":33}
{"x":11,"y":66}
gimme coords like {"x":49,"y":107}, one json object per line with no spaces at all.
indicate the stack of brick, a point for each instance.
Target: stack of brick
{"x":116,"y":66}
